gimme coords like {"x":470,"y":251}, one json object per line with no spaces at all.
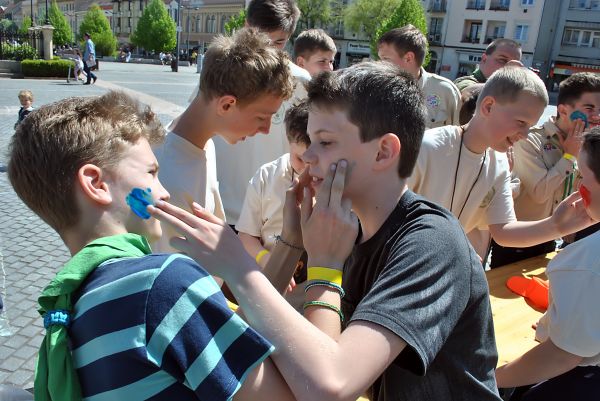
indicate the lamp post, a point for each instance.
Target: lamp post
{"x":47,"y":18}
{"x":178,"y":29}
{"x":31,"y":5}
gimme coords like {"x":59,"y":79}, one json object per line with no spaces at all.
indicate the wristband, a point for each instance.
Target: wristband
{"x":569,"y":157}
{"x":325,"y":305}
{"x":284,"y":242}
{"x":325,"y":274}
{"x":260,"y":255}
{"x":328,"y":284}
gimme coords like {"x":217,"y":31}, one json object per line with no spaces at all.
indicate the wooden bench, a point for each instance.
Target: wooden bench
{"x":513,"y":315}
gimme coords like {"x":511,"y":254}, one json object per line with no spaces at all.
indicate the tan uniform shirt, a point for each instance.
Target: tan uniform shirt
{"x":546,"y":176}
{"x":442,"y":100}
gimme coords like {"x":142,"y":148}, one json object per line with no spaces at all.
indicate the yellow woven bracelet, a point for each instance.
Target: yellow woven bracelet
{"x":570,"y":157}
{"x":325,"y":274}
{"x":260,"y":255}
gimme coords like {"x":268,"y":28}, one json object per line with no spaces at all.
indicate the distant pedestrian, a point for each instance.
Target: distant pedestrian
{"x":79,"y":67}
{"x":26,"y":99}
{"x":89,"y":59}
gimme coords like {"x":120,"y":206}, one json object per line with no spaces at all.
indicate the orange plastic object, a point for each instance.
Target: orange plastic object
{"x":533,"y":289}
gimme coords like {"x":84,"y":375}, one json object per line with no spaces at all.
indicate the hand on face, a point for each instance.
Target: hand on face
{"x":571,"y":215}
{"x":572,"y":143}
{"x":205,"y":238}
{"x":329,"y":228}
{"x":292,"y":230}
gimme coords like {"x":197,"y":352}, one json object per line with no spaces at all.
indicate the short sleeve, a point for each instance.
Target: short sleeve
{"x":501,"y":208}
{"x":422,"y":291}
{"x":250,"y":221}
{"x":193,"y":335}
{"x":573,"y":319}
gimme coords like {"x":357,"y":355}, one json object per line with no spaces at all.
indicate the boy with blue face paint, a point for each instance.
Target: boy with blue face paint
{"x":120,"y":321}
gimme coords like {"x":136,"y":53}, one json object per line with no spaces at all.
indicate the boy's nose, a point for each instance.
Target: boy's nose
{"x":308,"y":156}
{"x":266,"y":127}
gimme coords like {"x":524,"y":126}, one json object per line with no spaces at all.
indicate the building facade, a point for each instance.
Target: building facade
{"x":460,"y":30}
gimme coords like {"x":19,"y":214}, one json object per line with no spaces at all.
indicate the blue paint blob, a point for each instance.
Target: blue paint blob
{"x":138,"y":200}
{"x":578,"y":115}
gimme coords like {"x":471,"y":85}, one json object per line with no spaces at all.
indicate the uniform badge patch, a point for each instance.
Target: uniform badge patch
{"x":548,"y":146}
{"x":433,"y":101}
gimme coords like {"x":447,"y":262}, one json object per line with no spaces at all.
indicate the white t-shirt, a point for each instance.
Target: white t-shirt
{"x":237,"y":163}
{"x":490,"y":200}
{"x":572,"y":320}
{"x":262,"y":212}
{"x":187,"y":171}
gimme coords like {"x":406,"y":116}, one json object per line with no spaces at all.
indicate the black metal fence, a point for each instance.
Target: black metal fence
{"x":15,"y":45}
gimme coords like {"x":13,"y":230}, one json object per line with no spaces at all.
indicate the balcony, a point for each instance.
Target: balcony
{"x":434,"y":38}
{"x":437,"y":6}
{"x":476,"y":5}
{"x":500,"y":5}
{"x":468,"y":39}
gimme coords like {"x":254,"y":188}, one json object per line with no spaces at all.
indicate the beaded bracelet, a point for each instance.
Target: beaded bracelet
{"x":278,"y":238}
{"x":260,"y":255}
{"x":323,"y":283}
{"x":324,"y":274}
{"x":325,"y":305}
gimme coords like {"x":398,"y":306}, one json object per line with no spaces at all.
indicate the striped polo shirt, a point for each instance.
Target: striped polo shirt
{"x":158,"y":327}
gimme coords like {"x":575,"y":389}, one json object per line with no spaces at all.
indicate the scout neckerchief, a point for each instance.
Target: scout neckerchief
{"x":55,"y":376}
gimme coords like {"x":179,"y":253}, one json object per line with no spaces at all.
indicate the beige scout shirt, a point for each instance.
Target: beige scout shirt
{"x":236,"y":164}
{"x":262,"y":212}
{"x":442,"y":99}
{"x":546,"y":176}
{"x":480,"y":200}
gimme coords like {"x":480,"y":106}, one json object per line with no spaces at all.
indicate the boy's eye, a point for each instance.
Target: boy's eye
{"x":324,"y":143}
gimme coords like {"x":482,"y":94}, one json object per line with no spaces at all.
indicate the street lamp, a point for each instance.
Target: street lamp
{"x":31,"y":5}
{"x":47,"y":19}
{"x":178,"y":29}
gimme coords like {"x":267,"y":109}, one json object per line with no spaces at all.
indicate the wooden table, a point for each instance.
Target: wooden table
{"x":513,"y":315}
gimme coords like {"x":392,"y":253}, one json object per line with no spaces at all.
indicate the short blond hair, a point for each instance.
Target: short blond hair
{"x":25,"y":95}
{"x":506,"y":84}
{"x":54,"y":141}
{"x":246,"y":66}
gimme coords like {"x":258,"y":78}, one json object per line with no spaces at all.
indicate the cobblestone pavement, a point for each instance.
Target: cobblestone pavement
{"x":30,"y":251}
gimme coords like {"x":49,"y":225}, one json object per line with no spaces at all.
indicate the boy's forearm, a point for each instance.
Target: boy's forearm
{"x":542,"y":362}
{"x":522,"y":234}
{"x":281,"y":266}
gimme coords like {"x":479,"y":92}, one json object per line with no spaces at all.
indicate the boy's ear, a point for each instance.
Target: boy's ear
{"x":388,"y":151}
{"x":486,"y":105}
{"x":562,"y":112}
{"x":91,"y":182}
{"x":225,"y":103}
{"x":300,"y":61}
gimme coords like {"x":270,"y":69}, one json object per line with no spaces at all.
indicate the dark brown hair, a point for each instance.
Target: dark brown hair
{"x":311,"y":41}
{"x":273,"y":15}
{"x":378,"y":98}
{"x":572,"y":88}
{"x":296,"y":120}
{"x":406,"y":39}
{"x":591,"y":146}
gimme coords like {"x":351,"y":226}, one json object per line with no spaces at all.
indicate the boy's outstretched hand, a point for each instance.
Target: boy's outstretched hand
{"x":329,"y":228}
{"x":570,"y":216}
{"x":205,"y":238}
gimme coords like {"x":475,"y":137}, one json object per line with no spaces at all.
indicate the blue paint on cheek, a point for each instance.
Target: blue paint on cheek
{"x":138,"y":200}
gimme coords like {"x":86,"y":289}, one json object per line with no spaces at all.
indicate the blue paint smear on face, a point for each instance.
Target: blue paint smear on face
{"x":138,"y":200}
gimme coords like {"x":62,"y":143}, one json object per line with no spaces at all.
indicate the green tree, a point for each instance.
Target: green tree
{"x":365,"y":15}
{"x":96,"y":24}
{"x":314,"y":13}
{"x":408,"y":12}
{"x":25,"y":25}
{"x":62,"y":34}
{"x":236,"y":22}
{"x":156,"y":29}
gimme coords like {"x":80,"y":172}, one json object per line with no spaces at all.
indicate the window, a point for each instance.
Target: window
{"x":571,"y":37}
{"x":475,"y":32}
{"x":499,"y":31}
{"x":596,"y":40}
{"x":521,"y":32}
{"x":526,"y":2}
{"x":198,"y":23}
{"x":435,"y":26}
{"x":577,"y":4}
{"x":211,"y":24}
{"x":595,"y":5}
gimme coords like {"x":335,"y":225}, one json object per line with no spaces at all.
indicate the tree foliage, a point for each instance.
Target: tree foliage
{"x":25,"y":25}
{"x":314,"y":13}
{"x":366,"y":15}
{"x":62,"y":34}
{"x":96,"y":24}
{"x":236,"y":22}
{"x":156,"y":30}
{"x":408,"y":12}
